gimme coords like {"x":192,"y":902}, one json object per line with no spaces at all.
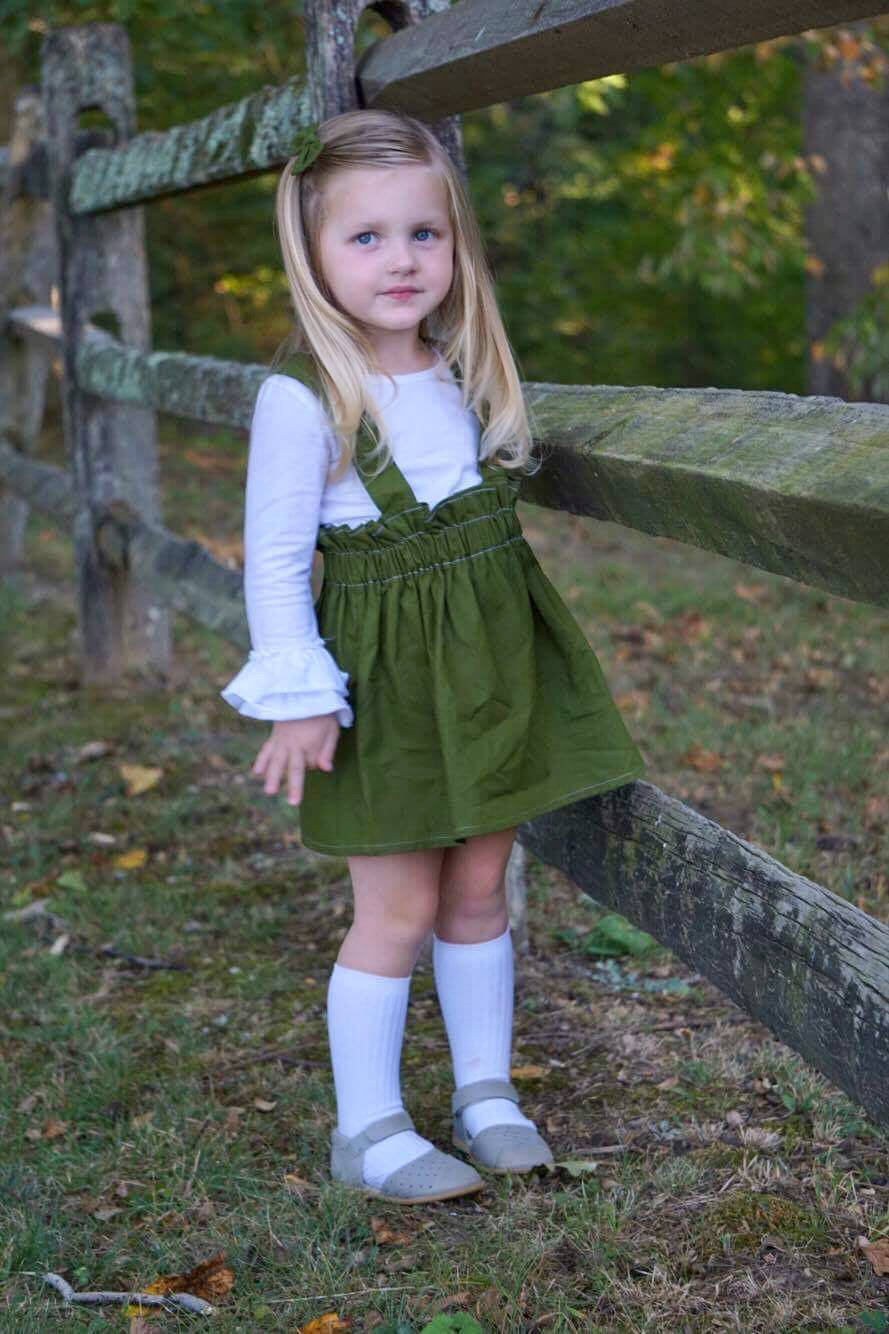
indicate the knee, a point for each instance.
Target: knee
{"x":405,"y":919}
{"x":480,"y":897}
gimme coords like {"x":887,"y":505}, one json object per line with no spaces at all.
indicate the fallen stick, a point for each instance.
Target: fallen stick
{"x":196,"y":1305}
{"x":139,"y":961}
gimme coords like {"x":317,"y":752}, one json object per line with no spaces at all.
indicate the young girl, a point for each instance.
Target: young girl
{"x":468,"y":697}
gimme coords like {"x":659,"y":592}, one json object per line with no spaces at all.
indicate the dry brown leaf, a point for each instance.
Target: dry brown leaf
{"x":138,"y":778}
{"x":703,"y":760}
{"x":878,"y":1254}
{"x":693,"y":625}
{"x":263,"y":1105}
{"x":771,"y":762}
{"x":105,"y":1213}
{"x":210,"y":1280}
{"x":132,"y":860}
{"x":54,"y":1128}
{"x":634,"y":702}
{"x":752,"y":592}
{"x":528,"y":1072}
{"x":385,"y":1236}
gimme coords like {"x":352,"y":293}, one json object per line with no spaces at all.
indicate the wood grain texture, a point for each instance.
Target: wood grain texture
{"x":797,"y":486}
{"x":473,"y":54}
{"x":796,"y":957}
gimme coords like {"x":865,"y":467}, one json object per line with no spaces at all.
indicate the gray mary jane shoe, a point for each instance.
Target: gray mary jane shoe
{"x":432,"y":1176}
{"x":506,"y":1148}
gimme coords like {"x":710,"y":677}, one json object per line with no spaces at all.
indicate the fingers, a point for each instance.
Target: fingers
{"x":275,"y":768}
{"x":275,"y":759}
{"x":325,"y":755}
{"x":262,"y":758}
{"x":297,"y":771}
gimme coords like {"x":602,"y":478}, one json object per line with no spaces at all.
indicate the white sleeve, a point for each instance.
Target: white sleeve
{"x":288,"y":673}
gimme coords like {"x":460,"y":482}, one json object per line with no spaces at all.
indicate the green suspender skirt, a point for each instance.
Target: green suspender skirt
{"x":477,"y":701}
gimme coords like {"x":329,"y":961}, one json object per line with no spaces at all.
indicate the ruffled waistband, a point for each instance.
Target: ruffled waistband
{"x":423,"y":538}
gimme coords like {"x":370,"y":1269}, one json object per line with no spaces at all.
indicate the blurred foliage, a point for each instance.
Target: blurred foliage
{"x":643,"y":229}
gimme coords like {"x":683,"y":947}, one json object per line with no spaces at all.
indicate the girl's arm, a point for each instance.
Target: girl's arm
{"x":289,"y":672}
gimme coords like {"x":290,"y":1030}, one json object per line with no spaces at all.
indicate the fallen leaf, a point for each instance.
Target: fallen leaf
{"x":104,"y":1214}
{"x":94,"y":750}
{"x":210,"y":1280}
{"x":752,"y":592}
{"x":878,"y":1254}
{"x":60,"y":944}
{"x":634,"y":702}
{"x":54,"y":1128}
{"x":771,"y":762}
{"x":528,"y":1072}
{"x":385,"y":1235}
{"x":330,"y":1323}
{"x":703,"y":760}
{"x":132,"y":860}
{"x":262,"y":1105}
{"x":139,"y":779}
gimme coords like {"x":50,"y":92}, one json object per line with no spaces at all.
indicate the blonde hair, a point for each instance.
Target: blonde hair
{"x":466,"y":328}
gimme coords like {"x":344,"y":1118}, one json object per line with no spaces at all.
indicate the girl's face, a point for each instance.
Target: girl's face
{"x":387,"y":228}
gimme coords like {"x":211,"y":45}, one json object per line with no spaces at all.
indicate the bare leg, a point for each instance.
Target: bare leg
{"x":396,"y":900}
{"x":472,"y":888}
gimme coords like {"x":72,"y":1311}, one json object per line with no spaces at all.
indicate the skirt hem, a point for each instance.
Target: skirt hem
{"x":448,"y":840}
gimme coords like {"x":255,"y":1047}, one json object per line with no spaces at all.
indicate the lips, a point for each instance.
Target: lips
{"x":400,"y":291}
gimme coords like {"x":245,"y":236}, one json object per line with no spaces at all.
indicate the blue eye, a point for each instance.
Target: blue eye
{"x":430,"y":230}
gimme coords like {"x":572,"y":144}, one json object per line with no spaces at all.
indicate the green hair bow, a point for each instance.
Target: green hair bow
{"x":306,"y":147}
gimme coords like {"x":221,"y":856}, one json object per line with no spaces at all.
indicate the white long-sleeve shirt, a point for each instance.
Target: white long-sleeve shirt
{"x":289,"y":673}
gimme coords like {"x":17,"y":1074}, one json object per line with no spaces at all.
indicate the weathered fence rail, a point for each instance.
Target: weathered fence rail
{"x":798,"y":486}
{"x":794,"y":485}
{"x":811,"y":966}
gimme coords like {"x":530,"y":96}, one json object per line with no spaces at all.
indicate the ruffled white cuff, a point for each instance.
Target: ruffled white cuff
{"x":297,"y":682}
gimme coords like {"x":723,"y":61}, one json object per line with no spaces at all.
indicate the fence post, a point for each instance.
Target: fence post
{"x":28,"y":272}
{"x":112,"y":446}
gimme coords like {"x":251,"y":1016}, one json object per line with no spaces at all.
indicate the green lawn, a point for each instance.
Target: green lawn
{"x":166,"y":1094}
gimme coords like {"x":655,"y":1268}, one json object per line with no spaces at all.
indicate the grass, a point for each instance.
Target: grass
{"x":157,"y":1116}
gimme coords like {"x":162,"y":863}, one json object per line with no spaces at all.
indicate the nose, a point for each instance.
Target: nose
{"x":401,"y":257}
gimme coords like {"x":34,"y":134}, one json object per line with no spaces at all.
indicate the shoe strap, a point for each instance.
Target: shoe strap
{"x":482,"y":1088}
{"x":381,"y":1129}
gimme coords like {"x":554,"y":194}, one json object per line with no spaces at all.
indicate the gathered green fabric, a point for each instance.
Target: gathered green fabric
{"x":478,"y":702}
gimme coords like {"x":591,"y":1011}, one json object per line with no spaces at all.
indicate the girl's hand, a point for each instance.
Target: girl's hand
{"x":294,"y":746}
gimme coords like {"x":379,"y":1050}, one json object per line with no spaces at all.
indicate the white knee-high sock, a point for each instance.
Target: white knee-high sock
{"x":366,"y":1015}
{"x":475,"y":990}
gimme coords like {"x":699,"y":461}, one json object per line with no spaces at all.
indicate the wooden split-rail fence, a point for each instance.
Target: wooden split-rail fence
{"x":794,"y":485}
